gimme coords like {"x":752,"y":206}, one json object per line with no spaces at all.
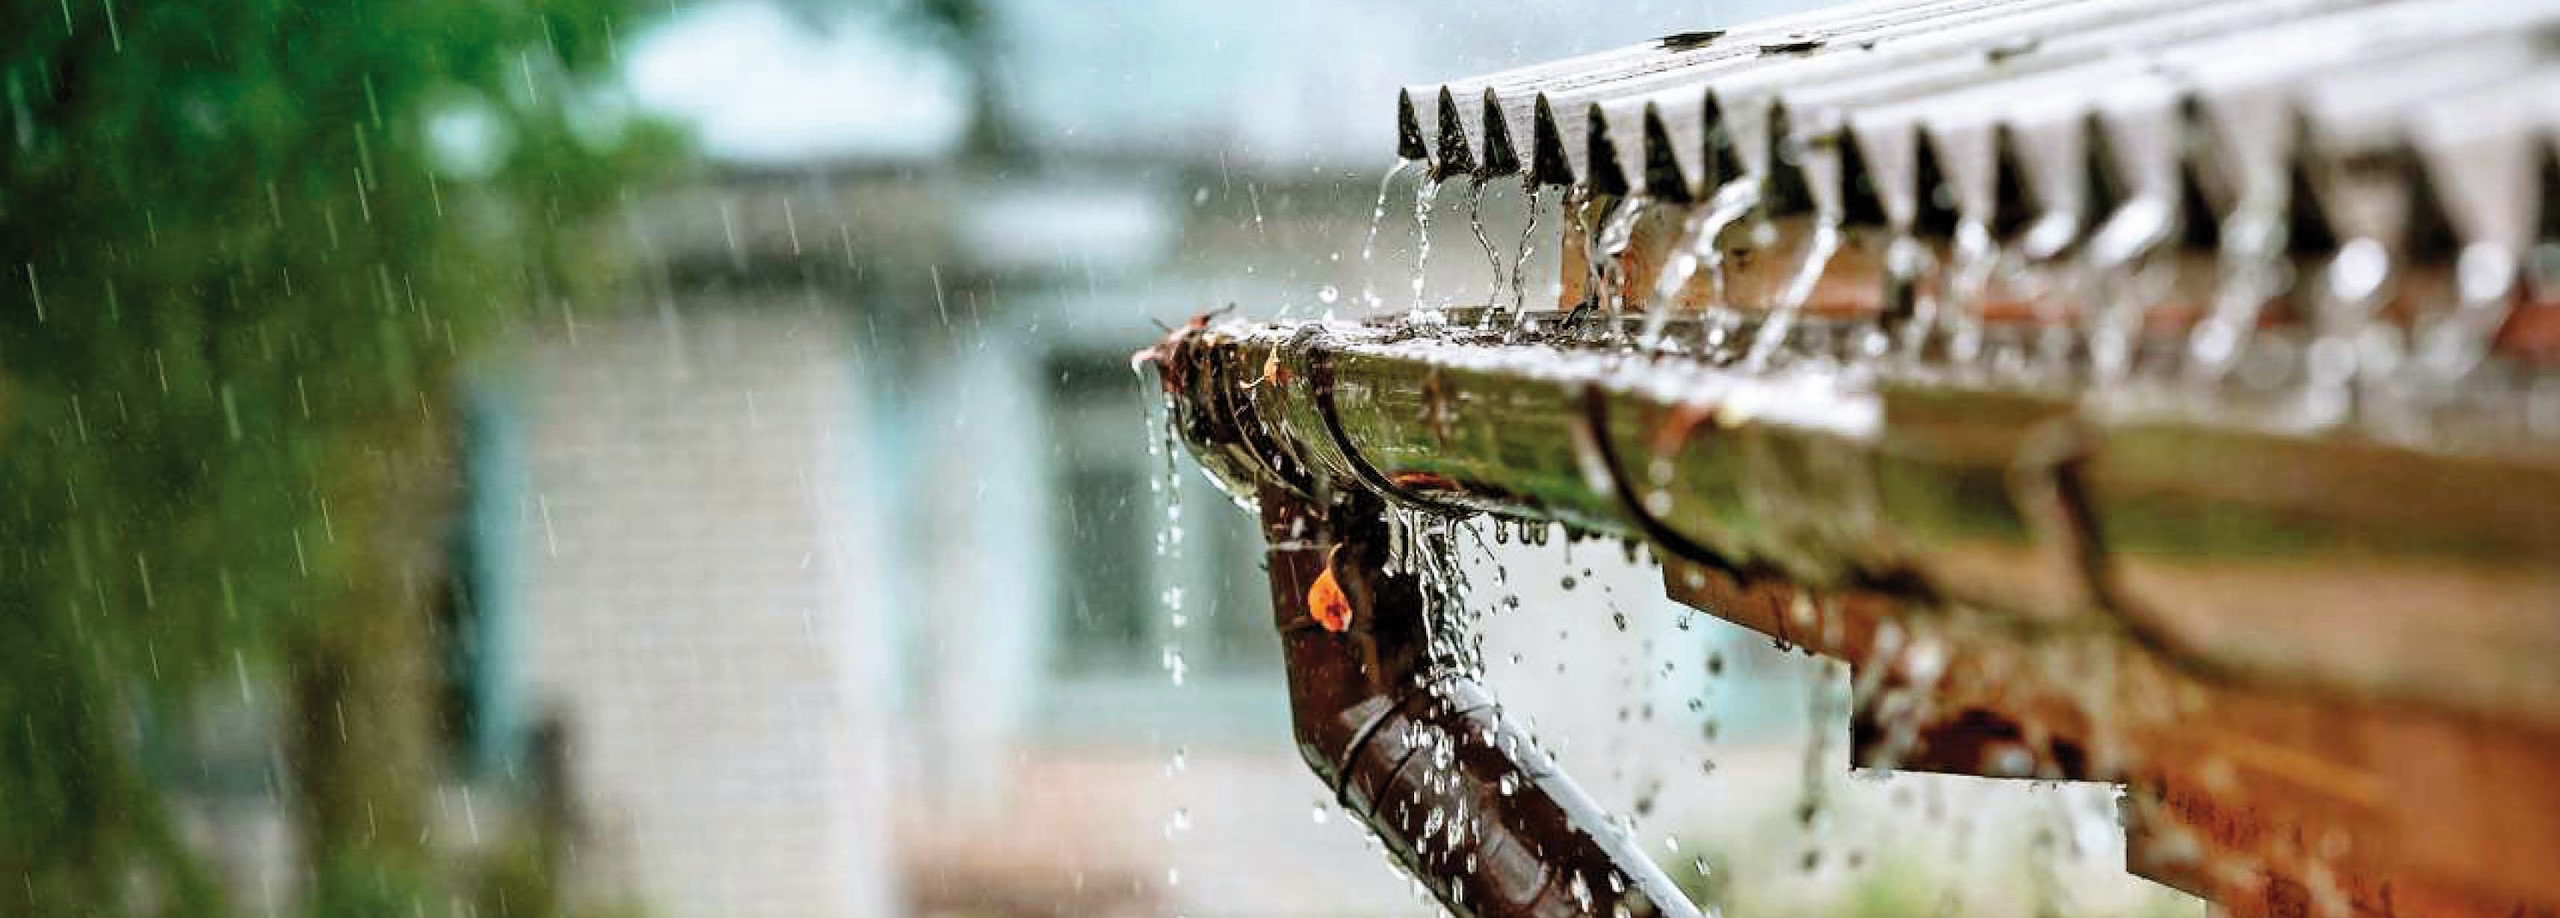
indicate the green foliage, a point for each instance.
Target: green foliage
{"x":237,"y":269}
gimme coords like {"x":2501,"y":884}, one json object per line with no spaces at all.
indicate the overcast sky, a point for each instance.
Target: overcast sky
{"x":1255,"y":85}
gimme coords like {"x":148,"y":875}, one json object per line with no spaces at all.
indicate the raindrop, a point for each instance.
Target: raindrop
{"x":1422,"y":198}
{"x":1327,"y":294}
{"x":940,"y":306}
{"x":35,"y":291}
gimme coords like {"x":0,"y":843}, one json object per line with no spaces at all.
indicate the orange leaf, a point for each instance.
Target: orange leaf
{"x":1326,"y":602}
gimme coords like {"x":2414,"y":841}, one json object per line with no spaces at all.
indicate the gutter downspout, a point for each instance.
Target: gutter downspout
{"x":1419,"y":752}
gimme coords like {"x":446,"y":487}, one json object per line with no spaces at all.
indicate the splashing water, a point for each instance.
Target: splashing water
{"x":1819,"y":248}
{"x":2128,"y":281}
{"x":1910,"y":315}
{"x":1699,"y":248}
{"x":1827,"y":706}
{"x":2251,"y":255}
{"x":1492,"y":257}
{"x":2354,"y":286}
{"x":2058,"y":287}
{"x":1615,"y":234}
{"x":1378,"y":212}
{"x":1377,"y":219}
{"x":1520,"y":256}
{"x":1977,"y":256}
{"x":1674,"y":281}
{"x":2452,"y":345}
{"x":1169,"y":537}
{"x":1422,"y":197}
{"x":1163,"y":444}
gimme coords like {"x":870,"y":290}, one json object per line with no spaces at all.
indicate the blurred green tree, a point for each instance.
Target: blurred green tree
{"x":244,"y":247}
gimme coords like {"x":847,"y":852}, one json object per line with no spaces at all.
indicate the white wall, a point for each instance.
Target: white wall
{"x":695,"y":607}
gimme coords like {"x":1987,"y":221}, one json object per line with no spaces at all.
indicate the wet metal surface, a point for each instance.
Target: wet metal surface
{"x":2156,"y":392}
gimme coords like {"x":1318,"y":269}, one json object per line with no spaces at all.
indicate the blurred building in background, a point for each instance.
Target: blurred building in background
{"x":844,"y":569}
